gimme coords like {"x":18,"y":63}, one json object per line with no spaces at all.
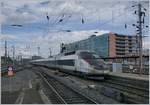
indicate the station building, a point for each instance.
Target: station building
{"x":106,"y":45}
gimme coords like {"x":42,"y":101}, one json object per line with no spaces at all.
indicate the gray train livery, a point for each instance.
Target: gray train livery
{"x":82,"y":63}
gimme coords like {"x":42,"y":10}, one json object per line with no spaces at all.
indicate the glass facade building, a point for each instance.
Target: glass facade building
{"x":98,"y":44}
{"x":106,"y":45}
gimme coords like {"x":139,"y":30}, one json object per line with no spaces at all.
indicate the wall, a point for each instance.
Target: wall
{"x":112,"y":45}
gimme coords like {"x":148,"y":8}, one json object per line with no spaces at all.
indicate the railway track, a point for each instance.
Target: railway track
{"x":126,"y":91}
{"x":62,"y":94}
{"x":140,"y":88}
{"x":128,"y":88}
{"x":129,"y":94}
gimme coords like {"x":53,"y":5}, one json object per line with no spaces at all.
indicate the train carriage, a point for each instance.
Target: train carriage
{"x":82,"y":63}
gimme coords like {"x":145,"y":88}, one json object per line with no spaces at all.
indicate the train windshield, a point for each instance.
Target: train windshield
{"x":93,"y":59}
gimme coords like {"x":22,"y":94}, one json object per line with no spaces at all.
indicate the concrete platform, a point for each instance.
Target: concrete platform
{"x":130,"y":76}
{"x":31,"y":96}
{"x":9,"y":97}
{"x":21,"y":89}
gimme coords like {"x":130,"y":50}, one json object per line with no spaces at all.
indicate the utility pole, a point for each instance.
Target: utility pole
{"x":13,"y":48}
{"x":8,"y":53}
{"x":140,"y":39}
{"x":140,"y":23}
{"x":20,"y":57}
{"x":50,"y":52}
{"x":38,"y":48}
{"x":5,"y":51}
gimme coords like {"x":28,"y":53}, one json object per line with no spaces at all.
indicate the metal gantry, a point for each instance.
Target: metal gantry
{"x":140,"y":22}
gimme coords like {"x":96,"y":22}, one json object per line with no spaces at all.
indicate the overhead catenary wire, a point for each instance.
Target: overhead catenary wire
{"x":125,"y":22}
{"x":112,"y":19}
{"x":62,"y":17}
{"x":59,"y":19}
{"x":109,"y":21}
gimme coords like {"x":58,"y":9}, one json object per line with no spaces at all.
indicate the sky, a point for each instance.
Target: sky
{"x":44,"y":23}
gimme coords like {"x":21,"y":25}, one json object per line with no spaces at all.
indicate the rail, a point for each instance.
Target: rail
{"x":65,"y":94}
{"x":134,"y":91}
{"x":59,"y":98}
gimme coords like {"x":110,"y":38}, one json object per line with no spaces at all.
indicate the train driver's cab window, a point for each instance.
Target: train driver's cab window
{"x":89,"y":55}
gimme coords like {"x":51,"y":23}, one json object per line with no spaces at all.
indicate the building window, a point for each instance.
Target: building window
{"x":130,"y":50}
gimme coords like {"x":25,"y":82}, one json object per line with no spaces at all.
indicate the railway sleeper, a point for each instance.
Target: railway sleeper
{"x":70,"y":93}
{"x":129,"y":85}
{"x":134,"y":100}
{"x":122,"y":96}
{"x":133,"y":82}
{"x":79,"y":102}
{"x":126,"y":89}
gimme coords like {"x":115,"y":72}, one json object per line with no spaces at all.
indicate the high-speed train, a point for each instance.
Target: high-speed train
{"x":82,"y":62}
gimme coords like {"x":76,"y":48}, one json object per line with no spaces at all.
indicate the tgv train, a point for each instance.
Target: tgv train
{"x":82,"y":62}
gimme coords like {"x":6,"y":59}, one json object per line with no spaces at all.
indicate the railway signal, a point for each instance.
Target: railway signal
{"x":10,"y":71}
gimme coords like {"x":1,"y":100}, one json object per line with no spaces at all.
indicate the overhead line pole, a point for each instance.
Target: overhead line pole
{"x":38,"y":48}
{"x":5,"y":51}
{"x":50,"y":52}
{"x":140,"y":39}
{"x":141,"y":21}
{"x":13,"y":48}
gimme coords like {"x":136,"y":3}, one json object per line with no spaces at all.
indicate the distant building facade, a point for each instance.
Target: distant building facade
{"x":106,"y":45}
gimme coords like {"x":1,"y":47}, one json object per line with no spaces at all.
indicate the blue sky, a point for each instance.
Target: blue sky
{"x":36,"y":30}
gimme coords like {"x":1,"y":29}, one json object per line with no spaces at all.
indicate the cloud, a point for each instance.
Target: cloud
{"x":21,"y":18}
{"x":2,"y":18}
{"x":71,"y":7}
{"x":19,"y":11}
{"x":7,"y":37}
{"x":17,"y":3}
{"x":33,"y":10}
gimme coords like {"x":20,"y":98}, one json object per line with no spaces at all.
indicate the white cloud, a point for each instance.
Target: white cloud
{"x":17,"y":3}
{"x":19,"y":11}
{"x":2,"y":18}
{"x":90,"y":10}
{"x":21,"y":18}
{"x":7,"y":37}
{"x":71,"y":7}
